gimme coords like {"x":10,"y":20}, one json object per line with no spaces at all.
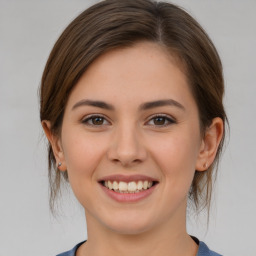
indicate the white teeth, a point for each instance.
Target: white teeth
{"x":110,"y":186}
{"x":130,"y":187}
{"x":145,"y":184}
{"x":140,"y":185}
{"x":115,"y":185}
{"x":123,"y":186}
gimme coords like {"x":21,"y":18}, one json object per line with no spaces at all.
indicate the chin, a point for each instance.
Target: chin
{"x":129,"y":226}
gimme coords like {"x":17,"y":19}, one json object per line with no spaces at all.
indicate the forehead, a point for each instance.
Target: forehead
{"x":145,"y":71}
{"x":145,"y":54}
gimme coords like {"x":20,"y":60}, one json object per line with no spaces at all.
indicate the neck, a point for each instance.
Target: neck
{"x":166,"y":238}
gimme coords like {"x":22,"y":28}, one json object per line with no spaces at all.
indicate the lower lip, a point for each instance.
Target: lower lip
{"x":128,"y":197}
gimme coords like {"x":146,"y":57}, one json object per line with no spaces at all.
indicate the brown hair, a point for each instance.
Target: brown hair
{"x":113,"y":23}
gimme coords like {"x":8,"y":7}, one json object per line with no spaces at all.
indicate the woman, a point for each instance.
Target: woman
{"x":131,"y":103}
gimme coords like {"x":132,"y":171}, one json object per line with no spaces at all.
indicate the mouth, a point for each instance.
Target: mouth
{"x":128,"y":187}
{"x":128,"y":184}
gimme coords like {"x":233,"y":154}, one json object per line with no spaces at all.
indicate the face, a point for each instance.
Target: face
{"x":131,"y":140}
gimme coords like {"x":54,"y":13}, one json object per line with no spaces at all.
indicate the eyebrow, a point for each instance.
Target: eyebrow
{"x":161,"y":103}
{"x":144,"y":106}
{"x":94,"y":103}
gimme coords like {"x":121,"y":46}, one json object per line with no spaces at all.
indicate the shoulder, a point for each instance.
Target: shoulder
{"x":72,"y":252}
{"x":203,"y":250}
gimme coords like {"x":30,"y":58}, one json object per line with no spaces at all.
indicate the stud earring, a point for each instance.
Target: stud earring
{"x":59,"y":164}
{"x":205,"y":165}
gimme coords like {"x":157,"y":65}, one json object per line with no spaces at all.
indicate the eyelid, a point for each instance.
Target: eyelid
{"x":169,"y":118}
{"x":86,"y":118}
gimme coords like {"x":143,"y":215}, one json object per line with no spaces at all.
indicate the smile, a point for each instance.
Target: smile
{"x":132,"y":188}
{"x":128,"y":187}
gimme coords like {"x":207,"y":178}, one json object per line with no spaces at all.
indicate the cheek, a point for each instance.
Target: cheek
{"x":82,"y":155}
{"x":176,"y":155}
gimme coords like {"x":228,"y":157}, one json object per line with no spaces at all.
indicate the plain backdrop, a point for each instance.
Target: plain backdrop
{"x":28,"y":30}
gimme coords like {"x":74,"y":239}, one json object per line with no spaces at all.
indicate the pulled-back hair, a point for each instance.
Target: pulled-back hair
{"x":113,"y":24}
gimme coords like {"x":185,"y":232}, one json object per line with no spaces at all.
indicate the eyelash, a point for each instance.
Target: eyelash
{"x":166,"y":118}
{"x":89,"y":120}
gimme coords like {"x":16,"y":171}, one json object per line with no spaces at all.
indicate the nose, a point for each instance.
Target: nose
{"x":127,"y":147}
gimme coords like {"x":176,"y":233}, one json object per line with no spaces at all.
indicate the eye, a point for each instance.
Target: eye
{"x":161,"y":120}
{"x":95,"y":120}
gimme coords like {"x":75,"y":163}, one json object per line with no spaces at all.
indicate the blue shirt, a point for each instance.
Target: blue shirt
{"x":203,"y":250}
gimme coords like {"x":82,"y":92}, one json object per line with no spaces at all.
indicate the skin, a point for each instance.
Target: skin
{"x":130,"y":140}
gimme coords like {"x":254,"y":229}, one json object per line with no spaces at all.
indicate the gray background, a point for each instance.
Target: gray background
{"x":28,"y":30}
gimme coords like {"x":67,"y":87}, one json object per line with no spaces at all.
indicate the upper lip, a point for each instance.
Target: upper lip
{"x":127,"y":178}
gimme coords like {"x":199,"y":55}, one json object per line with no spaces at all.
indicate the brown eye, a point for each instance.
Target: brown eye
{"x":159,"y":120}
{"x":95,"y":121}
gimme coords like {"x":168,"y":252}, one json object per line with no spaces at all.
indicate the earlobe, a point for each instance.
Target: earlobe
{"x":210,"y":144}
{"x":55,"y":142}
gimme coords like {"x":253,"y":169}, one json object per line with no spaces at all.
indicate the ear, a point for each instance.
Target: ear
{"x":210,"y":144}
{"x":56,"y":145}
